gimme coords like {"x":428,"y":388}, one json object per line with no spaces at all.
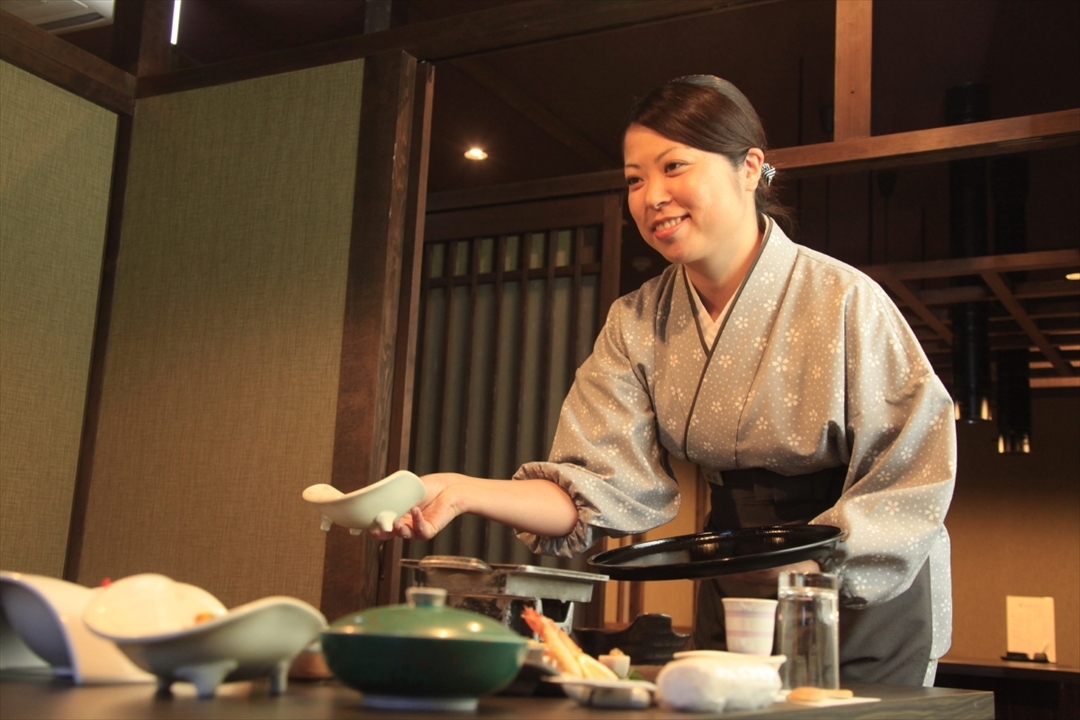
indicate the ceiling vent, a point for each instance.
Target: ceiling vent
{"x":61,"y":16}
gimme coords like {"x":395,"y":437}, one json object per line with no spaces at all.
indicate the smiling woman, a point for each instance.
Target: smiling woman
{"x":787,"y":377}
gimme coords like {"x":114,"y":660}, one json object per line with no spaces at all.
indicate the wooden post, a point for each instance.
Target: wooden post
{"x":369,"y":333}
{"x":141,"y":36}
{"x":851,"y":87}
{"x":401,"y":412}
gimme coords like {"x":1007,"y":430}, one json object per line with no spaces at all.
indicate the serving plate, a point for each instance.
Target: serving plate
{"x":634,"y":694}
{"x":710,"y":554}
{"x":375,"y":506}
{"x":41,"y":626}
{"x":179,"y":632}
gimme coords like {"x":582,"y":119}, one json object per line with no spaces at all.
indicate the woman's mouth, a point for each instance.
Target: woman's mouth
{"x":666,"y":228}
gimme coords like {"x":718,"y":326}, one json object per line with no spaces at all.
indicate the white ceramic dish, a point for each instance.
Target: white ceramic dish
{"x":774,"y":661}
{"x":714,"y":681}
{"x":41,"y":626}
{"x":153,"y":620}
{"x":377,"y":505}
{"x":632,"y":694}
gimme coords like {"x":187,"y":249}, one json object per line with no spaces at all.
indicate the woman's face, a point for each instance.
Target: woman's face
{"x":691,"y":206}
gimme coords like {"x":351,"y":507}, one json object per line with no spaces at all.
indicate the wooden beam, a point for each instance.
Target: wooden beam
{"x":912,"y":301}
{"x":141,"y":36}
{"x":95,"y":382}
{"x":1042,"y":260}
{"x":977,"y":293}
{"x":851,"y":72}
{"x":372,"y":295}
{"x":65,"y":65}
{"x":488,"y":78}
{"x":993,"y":137}
{"x":503,"y":27}
{"x":997,"y":284}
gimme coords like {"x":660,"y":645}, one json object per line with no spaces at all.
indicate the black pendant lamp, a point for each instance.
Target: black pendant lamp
{"x":1014,"y":402}
{"x":1009,"y":185}
{"x":971,"y":384}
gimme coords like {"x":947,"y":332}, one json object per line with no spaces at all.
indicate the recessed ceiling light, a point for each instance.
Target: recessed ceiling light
{"x":1073,"y":276}
{"x":476,"y":154}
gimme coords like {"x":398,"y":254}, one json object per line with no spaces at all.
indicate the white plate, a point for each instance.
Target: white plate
{"x":376,"y":506}
{"x":152,"y":619}
{"x":607,"y":693}
{"x":41,"y":626}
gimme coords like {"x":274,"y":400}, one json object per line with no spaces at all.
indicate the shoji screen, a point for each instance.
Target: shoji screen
{"x":56,"y":152}
{"x":221,"y":372}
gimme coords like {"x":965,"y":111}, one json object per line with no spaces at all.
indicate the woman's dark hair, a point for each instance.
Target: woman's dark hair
{"x":709,"y":113}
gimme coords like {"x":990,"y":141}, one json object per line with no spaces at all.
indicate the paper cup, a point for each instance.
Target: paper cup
{"x":750,"y":624}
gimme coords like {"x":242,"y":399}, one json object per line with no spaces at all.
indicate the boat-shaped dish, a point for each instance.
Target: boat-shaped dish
{"x":376,"y":506}
{"x":179,"y":632}
{"x":41,"y":627}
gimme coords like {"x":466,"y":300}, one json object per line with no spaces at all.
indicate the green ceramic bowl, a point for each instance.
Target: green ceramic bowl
{"x":400,"y":655}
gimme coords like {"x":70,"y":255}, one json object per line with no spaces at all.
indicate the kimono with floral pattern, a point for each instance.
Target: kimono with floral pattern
{"x":813,"y":368}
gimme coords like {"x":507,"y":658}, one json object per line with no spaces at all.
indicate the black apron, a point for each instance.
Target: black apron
{"x":887,"y":643}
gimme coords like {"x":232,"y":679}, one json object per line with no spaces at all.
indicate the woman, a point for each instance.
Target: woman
{"x":788,"y":378}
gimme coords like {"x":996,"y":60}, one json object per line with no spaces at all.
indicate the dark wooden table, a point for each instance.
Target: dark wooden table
{"x":25,"y":696}
{"x":1022,"y":690}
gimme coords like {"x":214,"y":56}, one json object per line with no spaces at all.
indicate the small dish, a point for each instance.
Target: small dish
{"x":376,"y":506}
{"x":627,"y":694}
{"x":41,"y":626}
{"x":180,"y":632}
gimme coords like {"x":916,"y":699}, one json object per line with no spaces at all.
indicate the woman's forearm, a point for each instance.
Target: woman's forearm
{"x":540,"y":507}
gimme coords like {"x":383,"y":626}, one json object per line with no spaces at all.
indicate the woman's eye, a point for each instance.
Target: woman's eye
{"x":673,"y":166}
{"x":632,"y":180}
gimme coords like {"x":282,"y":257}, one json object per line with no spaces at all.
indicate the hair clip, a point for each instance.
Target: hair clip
{"x":768,"y":172}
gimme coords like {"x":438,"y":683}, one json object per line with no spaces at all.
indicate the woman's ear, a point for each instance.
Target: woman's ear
{"x":751,"y":168}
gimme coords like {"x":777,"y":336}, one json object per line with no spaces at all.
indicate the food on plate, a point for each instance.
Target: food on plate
{"x":569,"y":659}
{"x":807,"y":694}
{"x":617,"y":661}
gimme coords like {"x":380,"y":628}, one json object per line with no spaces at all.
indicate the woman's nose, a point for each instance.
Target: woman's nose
{"x":656,"y":195}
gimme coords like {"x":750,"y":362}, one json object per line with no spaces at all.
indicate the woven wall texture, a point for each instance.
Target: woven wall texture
{"x":56,"y":153}
{"x":222,"y":368}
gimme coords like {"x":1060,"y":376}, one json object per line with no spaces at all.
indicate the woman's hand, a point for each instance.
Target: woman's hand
{"x":434,"y":512}
{"x":769,"y":576}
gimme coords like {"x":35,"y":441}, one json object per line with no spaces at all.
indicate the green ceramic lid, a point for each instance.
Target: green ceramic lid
{"x":425,"y":616}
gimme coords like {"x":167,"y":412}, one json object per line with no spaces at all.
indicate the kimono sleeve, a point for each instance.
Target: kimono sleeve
{"x":605,"y":453}
{"x":902,"y":468}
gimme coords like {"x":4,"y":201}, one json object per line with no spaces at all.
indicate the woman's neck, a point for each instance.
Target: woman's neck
{"x":717,"y":279}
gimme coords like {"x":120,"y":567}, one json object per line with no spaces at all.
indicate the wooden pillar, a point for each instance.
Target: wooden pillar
{"x":141,"y":36}
{"x":851,"y":88}
{"x":369,"y":333}
{"x":401,"y":413}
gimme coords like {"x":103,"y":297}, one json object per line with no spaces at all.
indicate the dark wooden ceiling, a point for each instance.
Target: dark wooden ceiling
{"x":555,"y":108}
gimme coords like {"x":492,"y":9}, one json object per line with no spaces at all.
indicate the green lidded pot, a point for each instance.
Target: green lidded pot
{"x":422,"y":655}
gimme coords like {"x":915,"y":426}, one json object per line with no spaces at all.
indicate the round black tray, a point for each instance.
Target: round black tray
{"x":718,"y":553}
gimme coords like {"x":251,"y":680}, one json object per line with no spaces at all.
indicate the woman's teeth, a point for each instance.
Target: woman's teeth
{"x":669,"y":223}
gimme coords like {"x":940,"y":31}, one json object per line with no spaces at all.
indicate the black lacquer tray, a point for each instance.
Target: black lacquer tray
{"x":717,"y":553}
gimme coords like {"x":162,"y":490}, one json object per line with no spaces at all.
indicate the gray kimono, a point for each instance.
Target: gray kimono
{"x":813,"y":370}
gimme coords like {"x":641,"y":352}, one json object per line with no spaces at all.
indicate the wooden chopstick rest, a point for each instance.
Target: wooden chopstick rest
{"x":812,"y":694}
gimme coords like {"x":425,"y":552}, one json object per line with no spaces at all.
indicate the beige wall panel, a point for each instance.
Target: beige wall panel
{"x":1015,"y":526}
{"x":56,"y":154}
{"x":222,"y":368}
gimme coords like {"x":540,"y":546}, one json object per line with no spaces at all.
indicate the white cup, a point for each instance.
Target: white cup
{"x":749,"y":624}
